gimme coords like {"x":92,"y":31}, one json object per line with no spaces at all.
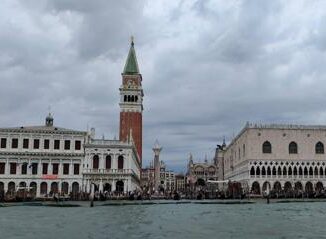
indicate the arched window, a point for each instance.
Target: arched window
{"x":95,"y":162}
{"x":279,"y":171}
{"x":310,"y":171}
{"x":11,"y":187}
{"x":263,"y":171}
{"x":128,"y":98}
{"x":252,"y":171}
{"x":295,"y":171}
{"x":284,"y":171}
{"x":132,"y":98}
{"x":267,"y":147}
{"x":44,"y":188}
{"x":316,"y":171}
{"x":108,"y":162}
{"x":319,"y":148}
{"x":54,"y":187}
{"x":274,"y":170}
{"x":136,"y":98}
{"x":268,"y":170}
{"x":257,"y":171}
{"x":125,"y":98}
{"x":120,"y":162}
{"x":293,"y":148}
{"x":290,"y":171}
{"x":75,"y":188}
{"x":65,"y":187}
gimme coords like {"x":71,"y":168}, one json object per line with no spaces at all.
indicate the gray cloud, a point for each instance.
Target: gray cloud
{"x":208,"y":66}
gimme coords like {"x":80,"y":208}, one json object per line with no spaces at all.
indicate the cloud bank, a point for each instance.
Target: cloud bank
{"x":207,"y":66}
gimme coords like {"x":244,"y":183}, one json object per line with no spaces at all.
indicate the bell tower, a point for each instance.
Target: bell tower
{"x":131,"y":101}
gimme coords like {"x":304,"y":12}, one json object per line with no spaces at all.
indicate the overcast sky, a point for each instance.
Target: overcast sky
{"x":208,"y":67}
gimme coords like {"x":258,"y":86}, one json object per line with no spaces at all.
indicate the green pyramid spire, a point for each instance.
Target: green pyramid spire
{"x":131,"y":66}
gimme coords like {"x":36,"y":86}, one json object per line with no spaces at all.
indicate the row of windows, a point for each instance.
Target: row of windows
{"x":36,"y":144}
{"x":287,"y":171}
{"x":108,"y":161}
{"x":34,"y":168}
{"x":293,"y":148}
{"x":130,"y":98}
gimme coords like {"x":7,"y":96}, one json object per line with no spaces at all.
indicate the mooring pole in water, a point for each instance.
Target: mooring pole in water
{"x":267,"y":199}
{"x":92,"y":195}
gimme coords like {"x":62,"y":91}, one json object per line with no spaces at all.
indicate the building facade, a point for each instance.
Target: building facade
{"x":199,"y":173}
{"x":281,"y":158}
{"x":147,"y":179}
{"x":111,"y":165}
{"x":180,"y":183}
{"x":46,"y":158}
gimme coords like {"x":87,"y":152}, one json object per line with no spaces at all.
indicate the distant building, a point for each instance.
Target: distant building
{"x":168,"y":181}
{"x":198,"y":173}
{"x":180,"y":183}
{"x":282,"y":158}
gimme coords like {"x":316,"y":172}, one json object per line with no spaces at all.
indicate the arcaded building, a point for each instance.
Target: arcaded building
{"x":276,"y":157}
{"x":111,"y":165}
{"x":46,"y":159}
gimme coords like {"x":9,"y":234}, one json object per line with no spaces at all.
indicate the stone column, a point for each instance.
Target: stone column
{"x":88,"y":187}
{"x":71,"y":168}
{"x":113,"y":185}
{"x":60,"y":171}
{"x":114,"y":161}
{"x":69,"y":187}
{"x":157,"y":165}
{"x":100,"y":188}
{"x":129,"y":184}
{"x":29,"y":168}
{"x":50,"y":168}
{"x":7,"y":167}
{"x":125,"y":185}
{"x":38,"y":189}
{"x":5,"y":185}
{"x":102,"y":162}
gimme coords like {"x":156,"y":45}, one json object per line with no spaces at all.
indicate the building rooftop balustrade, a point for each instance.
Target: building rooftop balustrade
{"x":108,"y":171}
{"x":107,"y":142}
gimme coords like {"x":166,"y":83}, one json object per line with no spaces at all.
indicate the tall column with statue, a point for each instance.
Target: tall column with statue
{"x":157,"y":165}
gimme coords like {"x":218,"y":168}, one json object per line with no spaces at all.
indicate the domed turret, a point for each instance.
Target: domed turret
{"x":49,"y":120}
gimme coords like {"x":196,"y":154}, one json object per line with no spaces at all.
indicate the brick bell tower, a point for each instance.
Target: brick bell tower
{"x":131,"y":102}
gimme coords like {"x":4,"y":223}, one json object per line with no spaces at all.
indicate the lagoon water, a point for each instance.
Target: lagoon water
{"x":259,"y":220}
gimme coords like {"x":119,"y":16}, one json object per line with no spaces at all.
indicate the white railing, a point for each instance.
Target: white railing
{"x":107,"y":142}
{"x":109,"y":171}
